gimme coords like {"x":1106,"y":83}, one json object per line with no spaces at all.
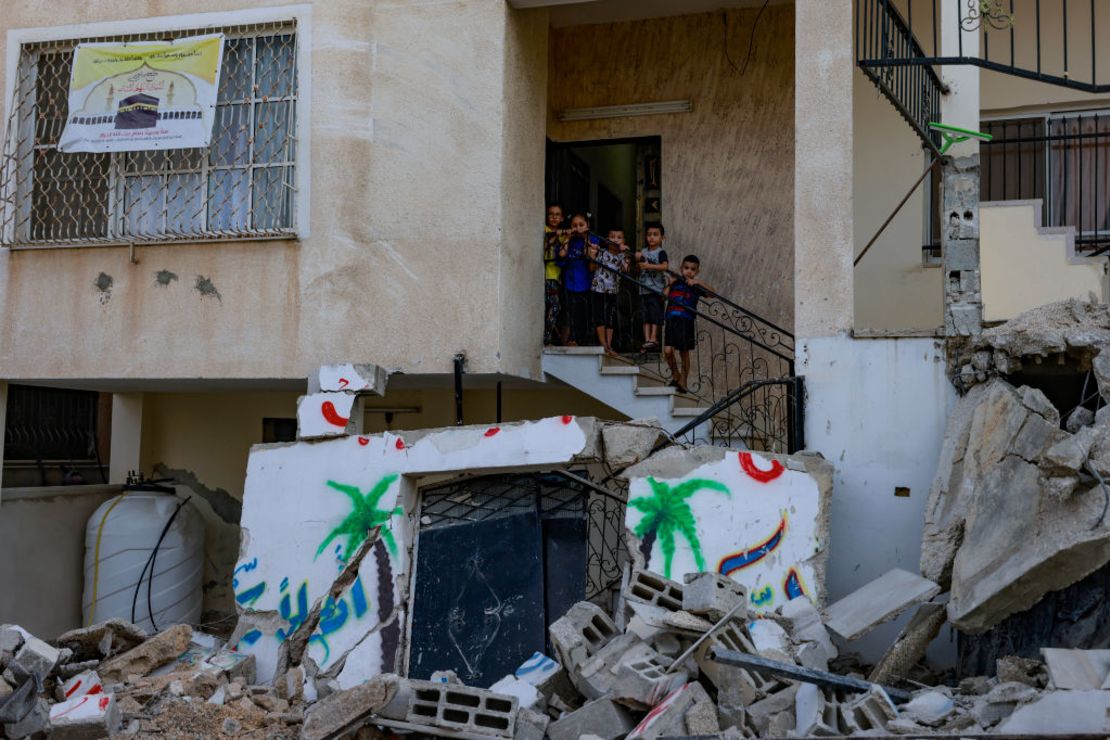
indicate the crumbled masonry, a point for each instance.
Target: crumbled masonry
{"x":718,"y":627}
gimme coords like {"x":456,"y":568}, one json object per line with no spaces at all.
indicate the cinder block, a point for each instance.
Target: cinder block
{"x":453,"y":706}
{"x":713,"y":595}
{"x":643,"y":682}
{"x":602,"y":718}
{"x":595,"y":678}
{"x":580,"y":633}
{"x":741,"y":686}
{"x":814,"y":714}
{"x":531,"y":725}
{"x":86,"y":717}
{"x":651,"y":588}
{"x":765,"y":710}
{"x":34,"y":658}
{"x":870,"y":711}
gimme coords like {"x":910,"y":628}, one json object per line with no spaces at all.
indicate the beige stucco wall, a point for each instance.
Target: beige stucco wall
{"x":209,"y":435}
{"x":728,"y":166}
{"x":1025,"y":266}
{"x":893,"y":290}
{"x":426,"y":142}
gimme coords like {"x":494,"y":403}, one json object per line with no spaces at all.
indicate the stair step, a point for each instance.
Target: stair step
{"x":574,"y":350}
{"x":657,"y":390}
{"x":688,"y":411}
{"x":620,"y":370}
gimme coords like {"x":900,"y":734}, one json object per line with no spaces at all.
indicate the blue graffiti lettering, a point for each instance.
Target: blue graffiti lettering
{"x":763,"y":596}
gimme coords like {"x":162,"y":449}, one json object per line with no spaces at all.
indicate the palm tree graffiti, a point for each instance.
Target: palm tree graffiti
{"x":666,"y":513}
{"x":364,"y":516}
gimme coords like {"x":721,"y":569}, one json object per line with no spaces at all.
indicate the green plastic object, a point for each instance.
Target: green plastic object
{"x":955,"y":134}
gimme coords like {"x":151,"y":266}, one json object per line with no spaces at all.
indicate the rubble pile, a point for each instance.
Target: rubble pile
{"x":112,"y":679}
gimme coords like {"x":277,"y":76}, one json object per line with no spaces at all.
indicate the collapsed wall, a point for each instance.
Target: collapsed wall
{"x":1019,"y":504}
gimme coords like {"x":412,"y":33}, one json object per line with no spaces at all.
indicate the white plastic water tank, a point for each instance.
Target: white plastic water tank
{"x":120,"y":539}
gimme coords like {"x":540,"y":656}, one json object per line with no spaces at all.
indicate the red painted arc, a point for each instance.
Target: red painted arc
{"x":364,"y":441}
{"x":492,"y":431}
{"x":747,"y":463}
{"x":331,"y":416}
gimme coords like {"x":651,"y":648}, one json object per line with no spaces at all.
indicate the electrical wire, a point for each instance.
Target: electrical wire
{"x":150,"y":564}
{"x":751,"y":39}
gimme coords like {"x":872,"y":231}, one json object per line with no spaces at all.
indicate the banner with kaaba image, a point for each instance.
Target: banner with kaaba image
{"x":142,"y":95}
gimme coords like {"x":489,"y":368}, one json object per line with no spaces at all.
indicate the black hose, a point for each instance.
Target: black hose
{"x":150,"y":561}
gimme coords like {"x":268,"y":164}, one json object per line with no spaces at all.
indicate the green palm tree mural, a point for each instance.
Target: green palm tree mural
{"x":666,"y":513}
{"x":364,"y":516}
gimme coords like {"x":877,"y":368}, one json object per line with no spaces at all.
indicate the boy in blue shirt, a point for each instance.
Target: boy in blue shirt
{"x":680,"y":329}
{"x":574,"y":258}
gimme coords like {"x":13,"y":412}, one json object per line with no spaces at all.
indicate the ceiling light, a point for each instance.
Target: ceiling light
{"x":625,"y":111}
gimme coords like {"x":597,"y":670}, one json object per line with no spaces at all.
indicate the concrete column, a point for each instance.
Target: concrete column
{"x":127,"y":435}
{"x":823,"y":239}
{"x":959,"y":206}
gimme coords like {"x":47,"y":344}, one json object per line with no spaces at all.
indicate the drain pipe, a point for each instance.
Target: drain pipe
{"x":460,"y":359}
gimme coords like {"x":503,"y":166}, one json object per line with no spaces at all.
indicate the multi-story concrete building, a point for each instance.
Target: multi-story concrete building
{"x":375,"y":191}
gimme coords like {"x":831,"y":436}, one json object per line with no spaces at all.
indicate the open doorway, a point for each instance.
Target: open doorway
{"x":617,"y":181}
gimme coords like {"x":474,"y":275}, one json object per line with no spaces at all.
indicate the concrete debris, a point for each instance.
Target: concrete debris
{"x":1077,"y":669}
{"x":1005,"y":524}
{"x":159,"y":650}
{"x":930,"y":708}
{"x":1023,"y":670}
{"x":1060,"y":713}
{"x":601,"y":717}
{"x":877,"y":602}
{"x":712,"y":595}
{"x":910,"y":646}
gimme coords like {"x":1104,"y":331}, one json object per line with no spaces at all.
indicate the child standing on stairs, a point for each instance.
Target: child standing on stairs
{"x":653,"y":264}
{"x":680,"y":332}
{"x":608,"y":263}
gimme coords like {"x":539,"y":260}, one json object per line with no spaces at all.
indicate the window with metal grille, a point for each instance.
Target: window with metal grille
{"x":241,"y":187}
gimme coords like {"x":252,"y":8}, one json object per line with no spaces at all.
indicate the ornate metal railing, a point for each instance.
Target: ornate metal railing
{"x":735,"y":349}
{"x":885,"y":50}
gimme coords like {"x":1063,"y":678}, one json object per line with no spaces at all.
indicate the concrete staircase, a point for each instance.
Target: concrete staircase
{"x":1025,"y":264}
{"x":633,"y":390}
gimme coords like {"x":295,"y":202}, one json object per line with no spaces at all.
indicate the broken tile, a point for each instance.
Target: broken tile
{"x":877,"y":602}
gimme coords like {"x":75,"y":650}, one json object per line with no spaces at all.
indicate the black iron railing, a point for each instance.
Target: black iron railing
{"x":736,"y":349}
{"x":890,"y":55}
{"x":1064,"y":161}
{"x":1051,"y":41}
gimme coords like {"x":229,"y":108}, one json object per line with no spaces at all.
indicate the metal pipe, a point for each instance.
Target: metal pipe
{"x":460,"y":360}
{"x":898,"y":208}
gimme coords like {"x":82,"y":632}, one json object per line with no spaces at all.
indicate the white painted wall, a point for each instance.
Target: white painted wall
{"x":876,"y":408}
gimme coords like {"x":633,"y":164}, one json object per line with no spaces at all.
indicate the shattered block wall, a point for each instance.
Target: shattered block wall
{"x":307,"y":507}
{"x":761,"y":520}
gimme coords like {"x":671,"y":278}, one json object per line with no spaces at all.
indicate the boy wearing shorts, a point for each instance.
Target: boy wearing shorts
{"x":608,"y":263}
{"x":680,"y":331}
{"x":653,"y":264}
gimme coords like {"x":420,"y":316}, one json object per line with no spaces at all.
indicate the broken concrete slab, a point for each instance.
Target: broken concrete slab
{"x":163,"y":648}
{"x":102,"y":640}
{"x":630,"y":442}
{"x":349,"y":377}
{"x":1023,"y":670}
{"x":805,"y":625}
{"x":601,"y":717}
{"x":1077,"y":669}
{"x":328,"y":414}
{"x":737,"y":502}
{"x":877,"y":602}
{"x":88,"y":717}
{"x":712,"y":595}
{"x":339,"y":710}
{"x":1061,"y":713}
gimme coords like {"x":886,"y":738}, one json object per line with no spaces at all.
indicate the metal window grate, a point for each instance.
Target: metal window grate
{"x":486,"y":498}
{"x":241,"y":187}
